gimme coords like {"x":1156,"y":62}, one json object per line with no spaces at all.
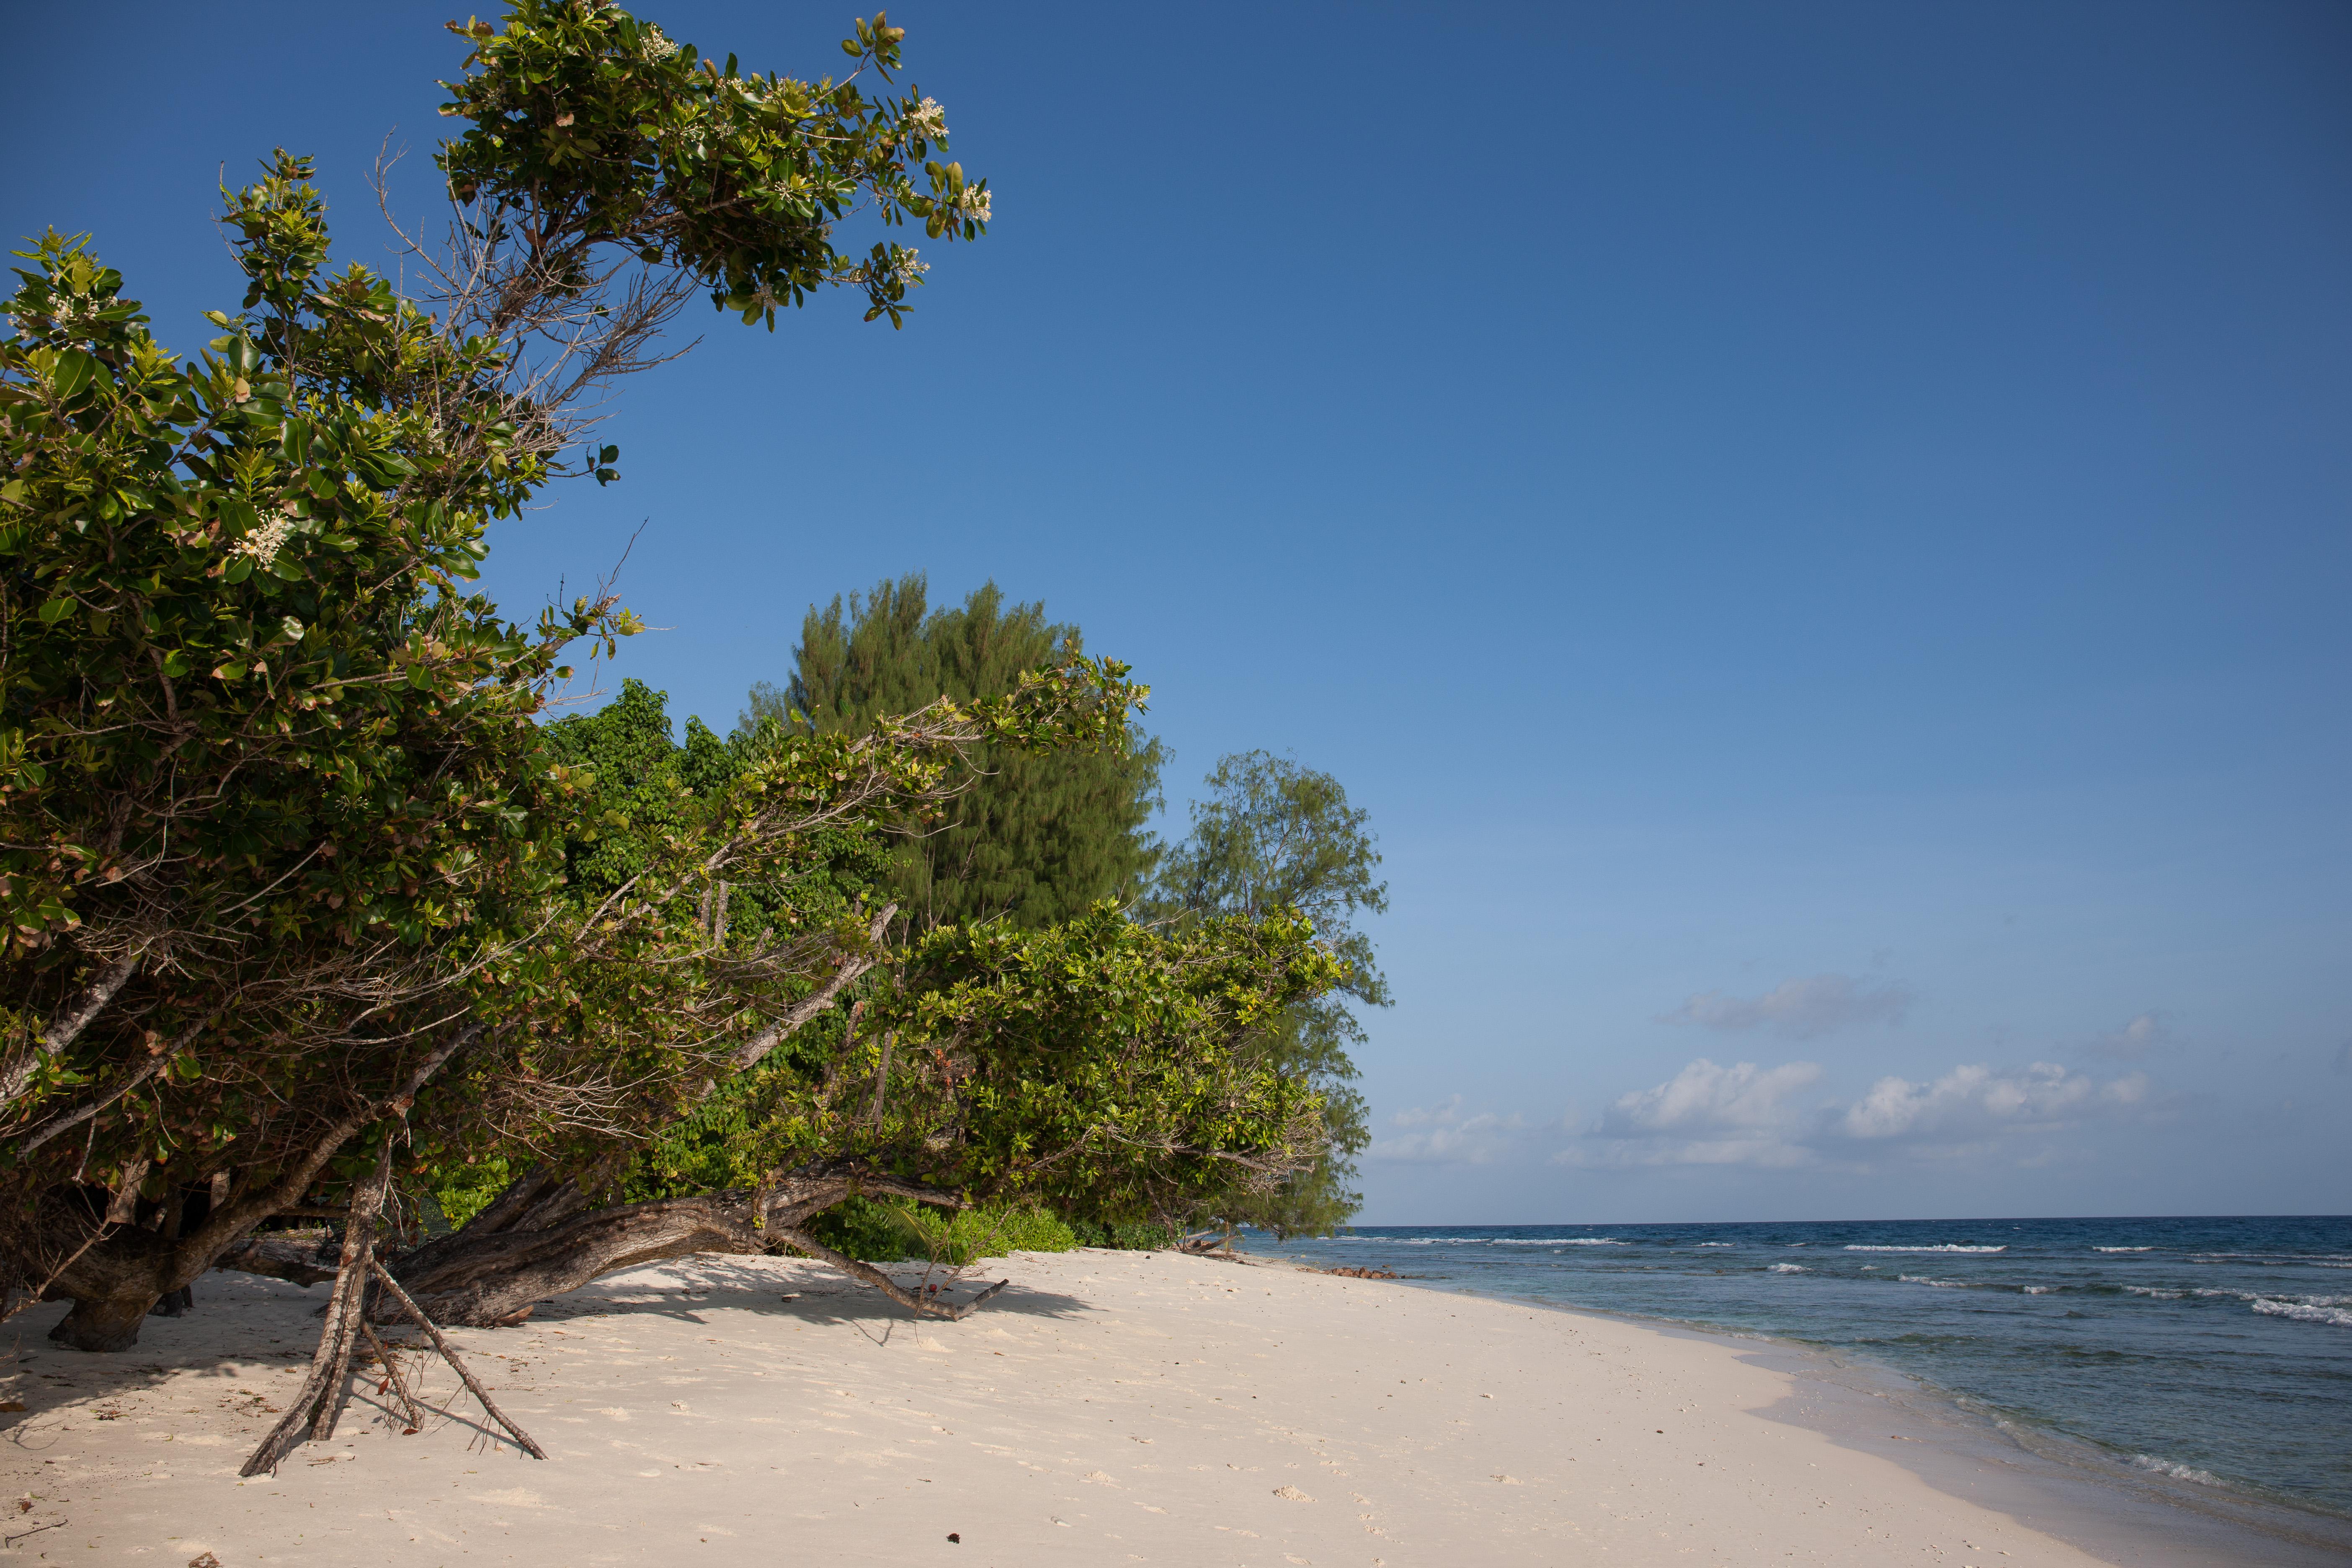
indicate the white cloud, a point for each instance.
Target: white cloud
{"x":1757,"y":1116}
{"x":1442,"y":1135}
{"x":1972,"y":1101}
{"x":1704,"y":1115}
{"x":2133,"y":1041}
{"x":1705,"y":1096}
{"x":1803,"y":1009}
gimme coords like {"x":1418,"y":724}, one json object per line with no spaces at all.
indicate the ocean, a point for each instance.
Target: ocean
{"x":2207,"y":1356}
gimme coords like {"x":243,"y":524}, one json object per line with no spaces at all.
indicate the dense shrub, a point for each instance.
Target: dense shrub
{"x":1139,"y":1236}
{"x":884,"y":1230}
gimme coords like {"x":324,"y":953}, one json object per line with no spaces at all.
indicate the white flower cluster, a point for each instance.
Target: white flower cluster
{"x":974,"y":203}
{"x":904,"y":265}
{"x":926,"y":120}
{"x":658,"y":47}
{"x":264,"y":542}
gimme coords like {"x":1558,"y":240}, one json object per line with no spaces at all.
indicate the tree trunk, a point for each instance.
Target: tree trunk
{"x":102,"y":1324}
{"x":116,"y":1281}
{"x":482,"y":1277}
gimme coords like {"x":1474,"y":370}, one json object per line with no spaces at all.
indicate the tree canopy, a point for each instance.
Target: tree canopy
{"x":1038,"y":838}
{"x":307,"y":903}
{"x":1274,"y":836}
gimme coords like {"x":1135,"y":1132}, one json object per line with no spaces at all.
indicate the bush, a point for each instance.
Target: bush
{"x":885,"y":1230}
{"x":1136,"y":1235}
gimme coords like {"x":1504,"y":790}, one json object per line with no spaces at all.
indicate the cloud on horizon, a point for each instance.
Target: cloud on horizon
{"x":1802,"y":1009}
{"x":1745,"y":1114}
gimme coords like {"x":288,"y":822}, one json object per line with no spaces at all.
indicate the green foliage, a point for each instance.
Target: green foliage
{"x":1112,"y":1070}
{"x":261,"y":743}
{"x":258,"y":735}
{"x":463,"y":1188}
{"x":884,"y":1230}
{"x":737,"y":179}
{"x":1038,"y":838}
{"x":1275,"y":836}
{"x":1138,"y":1235}
{"x":252,"y":726}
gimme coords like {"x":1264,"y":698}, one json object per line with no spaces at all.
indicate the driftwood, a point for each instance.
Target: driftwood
{"x":416,"y":1314}
{"x":542,"y":1238}
{"x":321,"y":1403}
{"x":393,"y":1384}
{"x":868,"y":1274}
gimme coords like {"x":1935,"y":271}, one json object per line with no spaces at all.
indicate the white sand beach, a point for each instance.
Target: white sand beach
{"x":1109,"y":1408}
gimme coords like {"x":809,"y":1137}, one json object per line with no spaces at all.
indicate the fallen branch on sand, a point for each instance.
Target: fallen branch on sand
{"x":868,"y":1274}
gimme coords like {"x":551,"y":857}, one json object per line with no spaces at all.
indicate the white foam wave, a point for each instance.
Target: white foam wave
{"x":2178,"y":1472}
{"x":1716,"y":1244}
{"x":1938,"y":1284}
{"x":2123,"y":1249}
{"x":1791,"y":1268}
{"x":2040,"y":1289}
{"x":1563,"y":1241}
{"x":1948,"y":1246}
{"x":2335,"y":1316}
{"x":2152,"y":1291}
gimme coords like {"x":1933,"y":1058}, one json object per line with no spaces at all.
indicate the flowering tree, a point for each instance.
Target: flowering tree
{"x":276,"y":815}
{"x":304,"y":902}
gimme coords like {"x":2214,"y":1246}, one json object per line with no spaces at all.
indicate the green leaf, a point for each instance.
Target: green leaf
{"x":55,"y":611}
{"x":75,"y":372}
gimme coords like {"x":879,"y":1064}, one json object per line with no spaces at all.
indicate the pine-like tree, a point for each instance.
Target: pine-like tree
{"x":1037,"y":839}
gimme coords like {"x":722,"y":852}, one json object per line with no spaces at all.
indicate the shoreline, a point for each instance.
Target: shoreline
{"x":1110,"y":1406}
{"x":2064,"y":1485}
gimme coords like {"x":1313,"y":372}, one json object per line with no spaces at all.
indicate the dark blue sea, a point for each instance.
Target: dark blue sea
{"x":2213,"y":1354}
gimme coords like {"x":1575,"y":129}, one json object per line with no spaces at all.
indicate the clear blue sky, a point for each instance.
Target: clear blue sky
{"x":1820,"y":532}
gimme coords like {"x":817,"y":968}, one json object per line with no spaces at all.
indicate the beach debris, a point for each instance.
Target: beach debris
{"x":1353,"y":1272}
{"x":465,"y":1374}
{"x":954,"y":1537}
{"x":324,"y":1393}
{"x":1293,"y":1493}
{"x":204,"y":1560}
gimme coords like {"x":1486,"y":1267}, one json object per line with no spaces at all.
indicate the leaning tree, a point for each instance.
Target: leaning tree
{"x":277,"y":824}
{"x":306,"y":904}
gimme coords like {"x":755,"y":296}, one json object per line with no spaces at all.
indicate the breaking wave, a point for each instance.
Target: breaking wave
{"x":1947,"y":1246}
{"x":2335,"y":1317}
{"x":2178,"y":1472}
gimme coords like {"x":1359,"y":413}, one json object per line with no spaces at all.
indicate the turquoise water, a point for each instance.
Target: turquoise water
{"x":2214,"y":1354}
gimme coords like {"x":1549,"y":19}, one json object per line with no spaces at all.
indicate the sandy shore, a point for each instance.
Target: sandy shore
{"x":1109,"y":1408}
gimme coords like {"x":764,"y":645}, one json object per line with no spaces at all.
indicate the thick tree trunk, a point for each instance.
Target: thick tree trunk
{"x":479,"y":1278}
{"x":115,"y":1282}
{"x":102,"y":1324}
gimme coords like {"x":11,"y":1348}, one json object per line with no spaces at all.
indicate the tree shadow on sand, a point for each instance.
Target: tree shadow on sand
{"x":808,"y":1293}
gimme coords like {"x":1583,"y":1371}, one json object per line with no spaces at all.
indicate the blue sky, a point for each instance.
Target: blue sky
{"x":1818,"y":532}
